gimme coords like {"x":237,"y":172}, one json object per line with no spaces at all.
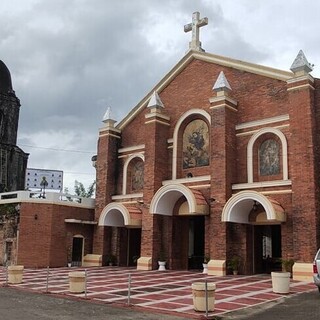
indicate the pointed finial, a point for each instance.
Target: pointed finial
{"x":107,"y":119}
{"x":155,"y":101}
{"x":107,"y":115}
{"x":221,"y":83}
{"x":301,"y":65}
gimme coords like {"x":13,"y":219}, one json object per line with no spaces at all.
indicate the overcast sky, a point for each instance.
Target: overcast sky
{"x":71,"y":59}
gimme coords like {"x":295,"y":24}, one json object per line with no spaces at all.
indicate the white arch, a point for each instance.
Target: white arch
{"x":190,"y":112}
{"x":238,"y":207}
{"x":166,"y":197}
{"x":114,"y":215}
{"x":125,"y":170}
{"x":284,"y":146}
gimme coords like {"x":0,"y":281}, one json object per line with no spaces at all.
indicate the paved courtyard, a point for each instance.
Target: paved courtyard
{"x":162,"y":292}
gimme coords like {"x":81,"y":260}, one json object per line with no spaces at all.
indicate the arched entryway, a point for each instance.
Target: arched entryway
{"x":181,"y":215}
{"x":122,"y":233}
{"x":254,"y":232}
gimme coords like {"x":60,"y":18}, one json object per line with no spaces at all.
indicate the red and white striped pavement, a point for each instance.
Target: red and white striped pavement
{"x":156,"y":291}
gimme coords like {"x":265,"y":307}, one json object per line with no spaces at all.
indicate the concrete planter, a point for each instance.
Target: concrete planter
{"x":15,"y":274}
{"x":77,"y":281}
{"x":199,"y":296}
{"x":280,"y":282}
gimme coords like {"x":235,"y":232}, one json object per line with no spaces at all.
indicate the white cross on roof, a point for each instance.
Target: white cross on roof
{"x":195,"y":26}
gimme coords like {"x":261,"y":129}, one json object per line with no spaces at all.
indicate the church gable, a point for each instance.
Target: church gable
{"x":240,"y":68}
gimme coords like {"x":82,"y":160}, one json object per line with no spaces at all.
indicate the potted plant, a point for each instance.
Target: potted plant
{"x":281,"y":279}
{"x":287,"y":265}
{"x":162,"y":261}
{"x":111,"y":259}
{"x":135,"y":259}
{"x":206,"y":260}
{"x":69,"y":255}
{"x":233,"y":264}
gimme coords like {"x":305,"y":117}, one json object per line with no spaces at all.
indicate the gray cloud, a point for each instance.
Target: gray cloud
{"x":69,"y":60}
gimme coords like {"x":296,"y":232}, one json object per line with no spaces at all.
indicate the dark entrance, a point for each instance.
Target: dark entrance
{"x":267,"y":248}
{"x":130,"y":244}
{"x":187,"y":242}
{"x":134,"y":245}
{"x":77,"y":247}
{"x":196,"y":242}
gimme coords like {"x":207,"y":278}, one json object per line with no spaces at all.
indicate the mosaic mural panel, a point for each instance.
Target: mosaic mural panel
{"x":196,"y":144}
{"x":269,"y":155}
{"x":137,"y":176}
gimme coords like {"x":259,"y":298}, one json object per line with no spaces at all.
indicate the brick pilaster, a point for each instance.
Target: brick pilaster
{"x":109,"y":138}
{"x":223,"y":154}
{"x":302,"y":169}
{"x":155,"y":171}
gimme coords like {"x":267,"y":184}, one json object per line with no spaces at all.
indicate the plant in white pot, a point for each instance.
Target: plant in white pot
{"x":281,"y":279}
{"x":206,"y":260}
{"x":162,"y":261}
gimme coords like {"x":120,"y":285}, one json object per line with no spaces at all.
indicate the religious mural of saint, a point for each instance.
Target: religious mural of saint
{"x":269,"y":155}
{"x":196,"y":144}
{"x":137,"y":176}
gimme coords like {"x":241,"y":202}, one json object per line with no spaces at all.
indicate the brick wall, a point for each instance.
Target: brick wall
{"x":44,"y":236}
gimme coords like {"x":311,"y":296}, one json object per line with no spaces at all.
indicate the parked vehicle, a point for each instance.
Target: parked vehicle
{"x":316,"y":270}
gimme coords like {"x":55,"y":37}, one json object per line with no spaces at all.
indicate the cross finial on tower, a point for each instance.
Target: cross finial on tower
{"x":195,"y":26}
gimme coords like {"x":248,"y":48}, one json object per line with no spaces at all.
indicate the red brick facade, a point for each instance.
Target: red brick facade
{"x":220,"y":160}
{"x":263,"y":104}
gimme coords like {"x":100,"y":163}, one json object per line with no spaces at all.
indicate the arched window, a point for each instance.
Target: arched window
{"x":133,"y":174}
{"x":178,"y":145}
{"x":195,"y":144}
{"x":269,"y":158}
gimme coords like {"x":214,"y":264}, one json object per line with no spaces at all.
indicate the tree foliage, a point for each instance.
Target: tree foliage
{"x":81,"y":191}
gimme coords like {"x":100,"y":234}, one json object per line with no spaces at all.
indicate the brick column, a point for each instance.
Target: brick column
{"x":223,"y":154}
{"x":155,"y":171}
{"x":303,"y":158}
{"x":109,"y":138}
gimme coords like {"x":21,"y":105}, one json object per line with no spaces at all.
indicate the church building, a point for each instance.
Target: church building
{"x":220,"y":160}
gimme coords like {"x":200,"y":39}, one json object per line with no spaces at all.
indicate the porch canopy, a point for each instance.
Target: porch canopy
{"x":179,"y":199}
{"x":252,"y":207}
{"x":116,"y":214}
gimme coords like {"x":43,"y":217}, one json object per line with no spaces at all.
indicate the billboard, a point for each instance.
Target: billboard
{"x":42,"y":178}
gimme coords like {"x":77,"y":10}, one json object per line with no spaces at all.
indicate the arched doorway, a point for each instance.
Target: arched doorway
{"x":123,"y":232}
{"x":256,"y":220}
{"x":181,"y":222}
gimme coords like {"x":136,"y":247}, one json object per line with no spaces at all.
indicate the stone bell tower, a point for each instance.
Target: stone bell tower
{"x":13,"y":161}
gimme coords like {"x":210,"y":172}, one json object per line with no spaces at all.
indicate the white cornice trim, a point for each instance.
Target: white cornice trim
{"x":222,"y":99}
{"x":308,"y":85}
{"x":133,"y":148}
{"x":251,"y":132}
{"x":158,"y":121}
{"x":262,"y":122}
{"x":157,"y":115}
{"x":301,"y":78}
{"x":127,"y":196}
{"x":263,"y":184}
{"x":186,"y":180}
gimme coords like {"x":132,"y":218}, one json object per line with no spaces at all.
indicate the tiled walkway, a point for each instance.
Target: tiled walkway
{"x":166,"y":291}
